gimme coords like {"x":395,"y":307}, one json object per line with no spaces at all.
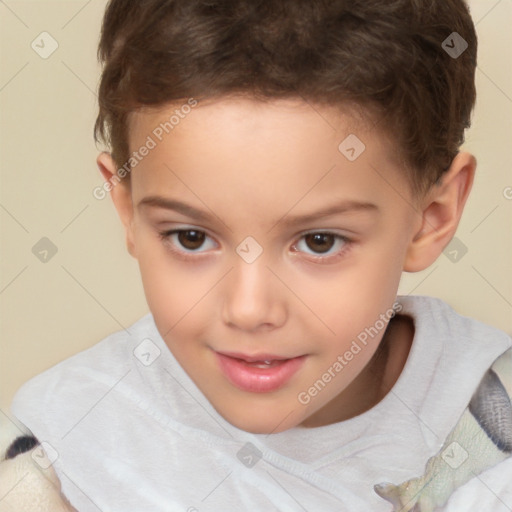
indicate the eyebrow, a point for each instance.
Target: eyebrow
{"x":201,"y":215}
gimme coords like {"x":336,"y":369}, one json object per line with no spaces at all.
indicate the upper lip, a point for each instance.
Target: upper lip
{"x":254,"y":357}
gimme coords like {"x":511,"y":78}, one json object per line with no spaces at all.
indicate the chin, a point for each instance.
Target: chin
{"x":256,"y":427}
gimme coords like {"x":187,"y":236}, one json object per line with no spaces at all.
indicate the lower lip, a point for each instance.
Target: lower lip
{"x":258,"y":380}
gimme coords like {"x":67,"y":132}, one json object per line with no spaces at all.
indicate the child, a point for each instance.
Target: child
{"x":276,"y":167}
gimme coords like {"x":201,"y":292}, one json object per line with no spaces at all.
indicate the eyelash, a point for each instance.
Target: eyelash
{"x":191,"y":255}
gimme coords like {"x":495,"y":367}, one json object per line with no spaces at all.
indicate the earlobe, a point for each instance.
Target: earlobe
{"x":120,"y":193}
{"x":441,"y":212}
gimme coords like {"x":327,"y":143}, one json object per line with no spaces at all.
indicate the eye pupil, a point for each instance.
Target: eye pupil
{"x":191,"y":239}
{"x":324,"y":241}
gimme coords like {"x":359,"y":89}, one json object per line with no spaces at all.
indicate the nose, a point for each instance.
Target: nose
{"x":254,"y":298}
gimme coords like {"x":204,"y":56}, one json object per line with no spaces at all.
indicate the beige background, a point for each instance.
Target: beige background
{"x":91,"y":286}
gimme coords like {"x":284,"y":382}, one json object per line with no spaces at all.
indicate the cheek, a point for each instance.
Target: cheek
{"x":356,"y":294}
{"x":170,"y":289}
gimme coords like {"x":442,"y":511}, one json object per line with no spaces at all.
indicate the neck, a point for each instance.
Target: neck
{"x":375,"y":380}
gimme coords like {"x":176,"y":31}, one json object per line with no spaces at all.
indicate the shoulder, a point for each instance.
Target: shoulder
{"x":444,"y":321}
{"x":449,"y":356}
{"x":55,"y":391}
{"x":461,"y":342}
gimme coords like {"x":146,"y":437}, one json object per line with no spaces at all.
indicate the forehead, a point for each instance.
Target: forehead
{"x":255,"y":118}
{"x":249,"y":119}
{"x":278,"y":150}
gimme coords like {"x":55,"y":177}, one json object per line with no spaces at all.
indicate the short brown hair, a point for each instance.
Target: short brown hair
{"x":386,"y":56}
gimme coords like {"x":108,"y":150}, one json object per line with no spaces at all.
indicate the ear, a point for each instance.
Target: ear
{"x":120,"y":192}
{"x":441,"y":212}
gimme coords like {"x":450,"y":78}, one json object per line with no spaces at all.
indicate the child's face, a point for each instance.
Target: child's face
{"x":250,"y":170}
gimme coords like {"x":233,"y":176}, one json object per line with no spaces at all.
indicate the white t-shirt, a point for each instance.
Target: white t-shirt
{"x":135,"y":437}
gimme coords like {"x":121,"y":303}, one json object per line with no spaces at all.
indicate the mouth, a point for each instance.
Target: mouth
{"x":259,"y":373}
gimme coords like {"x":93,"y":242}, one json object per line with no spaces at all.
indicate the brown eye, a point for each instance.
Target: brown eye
{"x":191,"y":239}
{"x":320,"y":242}
{"x":323,"y":246}
{"x":187,"y":242}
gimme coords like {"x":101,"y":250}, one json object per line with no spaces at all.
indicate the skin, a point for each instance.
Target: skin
{"x":251,"y":167}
